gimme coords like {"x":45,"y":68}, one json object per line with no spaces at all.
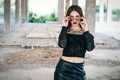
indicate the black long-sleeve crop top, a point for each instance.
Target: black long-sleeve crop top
{"x":75,"y":45}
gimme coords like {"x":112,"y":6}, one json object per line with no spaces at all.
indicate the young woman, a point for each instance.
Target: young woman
{"x":75,"y":39}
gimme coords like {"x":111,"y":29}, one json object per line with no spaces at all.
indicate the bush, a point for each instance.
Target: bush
{"x":41,"y":19}
{"x":53,"y":17}
{"x":34,"y":18}
{"x":116,"y":14}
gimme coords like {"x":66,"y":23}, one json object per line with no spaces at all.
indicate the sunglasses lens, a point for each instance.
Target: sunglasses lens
{"x":76,"y":18}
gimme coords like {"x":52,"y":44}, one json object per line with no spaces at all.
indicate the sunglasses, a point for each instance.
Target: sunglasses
{"x":77,"y":18}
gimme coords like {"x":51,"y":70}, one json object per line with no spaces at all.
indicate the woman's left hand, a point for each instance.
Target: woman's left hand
{"x":83,"y":24}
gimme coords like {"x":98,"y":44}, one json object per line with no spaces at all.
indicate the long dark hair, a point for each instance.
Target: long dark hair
{"x":74,"y":8}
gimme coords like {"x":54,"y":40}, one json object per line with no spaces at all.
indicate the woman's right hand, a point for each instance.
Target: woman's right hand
{"x":65,"y":21}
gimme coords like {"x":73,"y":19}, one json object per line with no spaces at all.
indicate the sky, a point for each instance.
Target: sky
{"x":43,"y":6}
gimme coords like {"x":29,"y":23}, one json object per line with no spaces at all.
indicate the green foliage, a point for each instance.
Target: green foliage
{"x":1,"y":14}
{"x":31,"y":17}
{"x":97,"y":8}
{"x":53,"y":17}
{"x":42,"y":19}
{"x":34,"y":18}
{"x":1,"y":3}
{"x":1,"y":7}
{"x":12,"y":12}
{"x":116,"y":14}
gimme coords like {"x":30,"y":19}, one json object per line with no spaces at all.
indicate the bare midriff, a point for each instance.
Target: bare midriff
{"x":73,"y":59}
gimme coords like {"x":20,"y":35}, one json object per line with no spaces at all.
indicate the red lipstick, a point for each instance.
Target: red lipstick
{"x":74,"y":22}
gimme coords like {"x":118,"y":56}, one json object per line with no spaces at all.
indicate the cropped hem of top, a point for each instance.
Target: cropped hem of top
{"x":75,"y":45}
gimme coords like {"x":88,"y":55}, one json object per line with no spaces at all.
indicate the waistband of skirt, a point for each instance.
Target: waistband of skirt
{"x":64,"y":61}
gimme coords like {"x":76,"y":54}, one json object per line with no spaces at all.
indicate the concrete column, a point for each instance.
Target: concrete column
{"x":7,"y":15}
{"x":17,"y":11}
{"x":109,"y":11}
{"x":74,"y":2}
{"x":90,"y":8}
{"x":24,"y":6}
{"x":101,"y":14}
{"x":60,"y":10}
{"x":22,"y":11}
{"x":67,"y":5}
{"x":26,"y":10}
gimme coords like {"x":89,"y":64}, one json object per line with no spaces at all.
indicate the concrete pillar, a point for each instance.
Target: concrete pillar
{"x":60,"y":10}
{"x":109,"y":11}
{"x":7,"y":15}
{"x":90,"y":9}
{"x":101,"y":14}
{"x":74,"y":2}
{"x":67,"y":5}
{"x":24,"y":10}
{"x":17,"y":11}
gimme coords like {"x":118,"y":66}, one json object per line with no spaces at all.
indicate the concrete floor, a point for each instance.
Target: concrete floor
{"x":103,"y":63}
{"x":100,"y":64}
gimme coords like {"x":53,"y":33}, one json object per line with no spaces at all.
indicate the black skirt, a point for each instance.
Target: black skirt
{"x":69,"y":71}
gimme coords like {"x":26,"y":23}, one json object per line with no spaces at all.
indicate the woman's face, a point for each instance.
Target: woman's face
{"x":75,"y":18}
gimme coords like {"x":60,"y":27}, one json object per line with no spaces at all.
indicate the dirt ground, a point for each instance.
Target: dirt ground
{"x":39,"y":64}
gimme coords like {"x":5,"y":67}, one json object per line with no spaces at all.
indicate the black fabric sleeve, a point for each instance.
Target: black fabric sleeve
{"x":89,"y":41}
{"x":62,"y":40}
